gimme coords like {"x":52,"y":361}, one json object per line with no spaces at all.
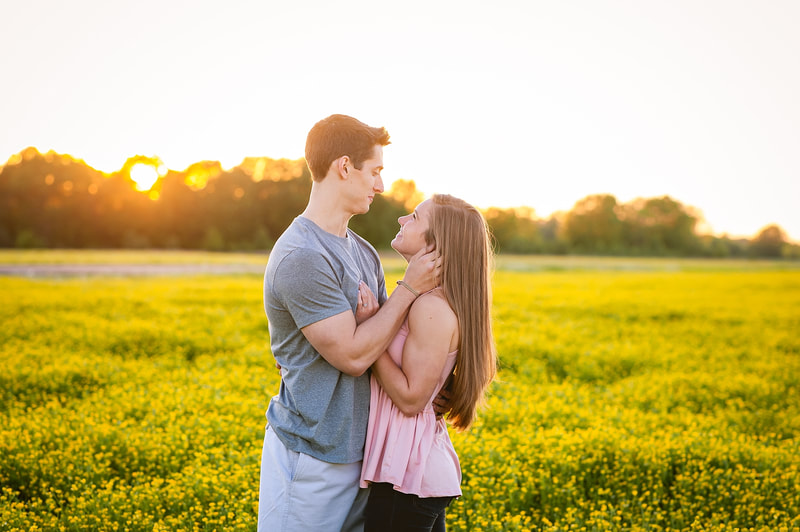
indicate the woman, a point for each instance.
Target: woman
{"x":409,"y":459}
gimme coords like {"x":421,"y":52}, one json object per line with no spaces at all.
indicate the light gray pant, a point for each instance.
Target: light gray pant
{"x":300,"y":493}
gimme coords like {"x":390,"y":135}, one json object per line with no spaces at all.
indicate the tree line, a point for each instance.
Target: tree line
{"x":57,"y":201}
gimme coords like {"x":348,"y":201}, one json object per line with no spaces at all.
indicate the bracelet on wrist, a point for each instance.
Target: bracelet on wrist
{"x":408,"y":287}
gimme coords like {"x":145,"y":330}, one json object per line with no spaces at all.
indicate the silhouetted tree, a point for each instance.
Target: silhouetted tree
{"x":405,"y":192}
{"x":514,"y":230}
{"x":52,"y":200}
{"x":659,"y":226}
{"x":379,"y":226}
{"x":769,"y":242}
{"x":593,"y":226}
{"x":46,"y":200}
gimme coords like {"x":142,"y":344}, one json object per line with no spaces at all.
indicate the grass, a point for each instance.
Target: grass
{"x":659,"y":396}
{"x":392,"y":262}
{"x":71,"y":256}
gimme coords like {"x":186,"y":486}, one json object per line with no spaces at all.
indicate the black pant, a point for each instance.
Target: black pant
{"x":389,"y":510}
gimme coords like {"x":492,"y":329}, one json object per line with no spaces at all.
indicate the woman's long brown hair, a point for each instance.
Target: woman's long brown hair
{"x":462,"y":239}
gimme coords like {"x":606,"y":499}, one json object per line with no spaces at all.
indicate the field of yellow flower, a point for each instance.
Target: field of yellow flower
{"x":632,"y":395}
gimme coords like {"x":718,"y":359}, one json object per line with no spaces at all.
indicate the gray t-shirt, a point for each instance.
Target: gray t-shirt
{"x":312,"y":275}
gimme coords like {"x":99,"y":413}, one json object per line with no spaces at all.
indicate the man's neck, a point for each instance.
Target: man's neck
{"x":324,"y":209}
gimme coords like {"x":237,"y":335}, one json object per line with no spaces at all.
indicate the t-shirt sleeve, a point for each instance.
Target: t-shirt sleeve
{"x":382,"y":296}
{"x":306,"y":284}
{"x":377,"y":270}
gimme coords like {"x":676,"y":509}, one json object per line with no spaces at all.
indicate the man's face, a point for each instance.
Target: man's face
{"x":364,"y":183}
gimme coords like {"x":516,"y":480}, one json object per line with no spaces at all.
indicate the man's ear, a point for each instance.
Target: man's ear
{"x":343,"y":166}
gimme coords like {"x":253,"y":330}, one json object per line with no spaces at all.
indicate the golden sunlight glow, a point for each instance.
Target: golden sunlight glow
{"x":144,"y":175}
{"x":198,"y":174}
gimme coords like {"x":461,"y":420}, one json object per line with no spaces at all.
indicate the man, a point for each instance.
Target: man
{"x":314,"y":441}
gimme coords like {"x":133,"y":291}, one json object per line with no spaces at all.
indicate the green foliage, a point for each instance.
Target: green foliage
{"x":379,"y":226}
{"x":514,"y":230}
{"x":27,"y":239}
{"x":213,"y":240}
{"x":769,"y":242}
{"x":632,"y":395}
{"x":593,"y":225}
{"x":52,"y":200}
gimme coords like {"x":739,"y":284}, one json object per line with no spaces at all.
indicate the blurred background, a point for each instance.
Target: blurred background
{"x":613,"y":127}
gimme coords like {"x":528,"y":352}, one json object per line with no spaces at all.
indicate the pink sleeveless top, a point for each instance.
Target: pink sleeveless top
{"x":414,"y":454}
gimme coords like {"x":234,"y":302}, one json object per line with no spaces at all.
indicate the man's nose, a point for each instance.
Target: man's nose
{"x":378,"y":186}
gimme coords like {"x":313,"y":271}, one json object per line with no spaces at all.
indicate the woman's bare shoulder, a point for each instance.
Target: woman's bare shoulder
{"x":432,"y":309}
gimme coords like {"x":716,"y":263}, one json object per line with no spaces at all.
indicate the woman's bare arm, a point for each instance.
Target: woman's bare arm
{"x":432,"y":328}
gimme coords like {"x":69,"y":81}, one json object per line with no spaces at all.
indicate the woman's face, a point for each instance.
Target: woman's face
{"x":411,"y":237}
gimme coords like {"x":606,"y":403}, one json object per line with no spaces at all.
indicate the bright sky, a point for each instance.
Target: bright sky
{"x":503,"y":103}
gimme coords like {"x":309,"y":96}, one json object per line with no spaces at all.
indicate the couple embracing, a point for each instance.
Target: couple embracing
{"x":354,"y":440}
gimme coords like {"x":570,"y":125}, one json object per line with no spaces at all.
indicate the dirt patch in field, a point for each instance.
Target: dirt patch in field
{"x":123,"y":270}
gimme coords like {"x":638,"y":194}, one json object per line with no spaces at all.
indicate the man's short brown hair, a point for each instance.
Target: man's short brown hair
{"x":337,"y":136}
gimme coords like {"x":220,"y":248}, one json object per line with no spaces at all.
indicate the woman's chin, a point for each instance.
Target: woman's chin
{"x":400,"y":252}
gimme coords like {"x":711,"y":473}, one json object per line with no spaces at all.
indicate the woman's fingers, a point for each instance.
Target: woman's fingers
{"x":367,"y":304}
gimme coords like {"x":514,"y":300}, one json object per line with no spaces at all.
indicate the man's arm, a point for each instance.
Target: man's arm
{"x":351,"y":347}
